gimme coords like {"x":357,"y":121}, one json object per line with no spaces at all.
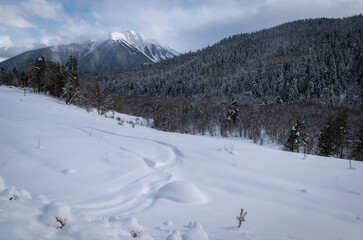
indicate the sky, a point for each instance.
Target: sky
{"x":185,"y":25}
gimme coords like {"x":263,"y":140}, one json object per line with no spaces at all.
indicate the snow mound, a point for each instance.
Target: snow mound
{"x":130,"y":226}
{"x":10,"y":193}
{"x":175,"y":235}
{"x":25,"y":194}
{"x":195,"y":232}
{"x":182,"y":192}
{"x":168,"y":223}
{"x":57,"y":215}
{"x":69,"y":171}
{"x":2,"y":184}
{"x":304,"y":190}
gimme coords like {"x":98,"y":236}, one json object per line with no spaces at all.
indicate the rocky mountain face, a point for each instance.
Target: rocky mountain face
{"x":120,"y":51}
{"x":150,"y":48}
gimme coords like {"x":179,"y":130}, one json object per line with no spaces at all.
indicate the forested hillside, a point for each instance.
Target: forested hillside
{"x":316,"y":60}
{"x":306,"y":71}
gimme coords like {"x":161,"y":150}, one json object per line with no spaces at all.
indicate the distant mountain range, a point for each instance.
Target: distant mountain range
{"x":120,"y":51}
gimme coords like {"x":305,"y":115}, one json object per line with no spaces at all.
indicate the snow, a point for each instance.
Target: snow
{"x":182,"y":192}
{"x":69,"y":171}
{"x":195,"y":232}
{"x":2,"y":184}
{"x":57,"y":215}
{"x":149,"y":47}
{"x":110,"y":181}
{"x":10,"y":193}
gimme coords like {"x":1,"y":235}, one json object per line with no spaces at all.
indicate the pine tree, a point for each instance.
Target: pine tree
{"x":334,"y":137}
{"x":2,"y":75}
{"x":23,"y":79}
{"x":232,"y":112}
{"x":326,"y":139}
{"x":341,"y":133}
{"x":60,"y":80}
{"x":38,"y":74}
{"x":72,"y":84}
{"x":15,"y":77}
{"x":358,"y":146}
{"x":298,"y":137}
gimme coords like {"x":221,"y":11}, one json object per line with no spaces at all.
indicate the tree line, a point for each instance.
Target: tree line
{"x":297,"y":127}
{"x":60,"y":81}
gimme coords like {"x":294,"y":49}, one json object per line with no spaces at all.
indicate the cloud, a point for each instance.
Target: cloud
{"x":72,"y":31}
{"x":43,"y":8}
{"x":11,"y":15}
{"x":5,"y":41}
{"x":18,"y":15}
{"x":96,"y":15}
{"x":24,"y":45}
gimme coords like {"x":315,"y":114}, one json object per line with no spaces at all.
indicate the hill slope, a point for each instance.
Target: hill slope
{"x":101,"y":173}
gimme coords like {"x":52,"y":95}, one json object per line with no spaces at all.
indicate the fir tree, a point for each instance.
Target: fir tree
{"x":326,"y":139}
{"x":15,"y":77}
{"x":358,"y":146}
{"x":341,"y":133}
{"x":232,"y":112}
{"x":23,"y":79}
{"x":298,"y":137}
{"x":38,"y":74}
{"x":2,"y":76}
{"x":72,"y":84}
{"x":334,"y":137}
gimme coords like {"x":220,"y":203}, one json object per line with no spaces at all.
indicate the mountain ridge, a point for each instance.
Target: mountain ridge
{"x":105,"y":55}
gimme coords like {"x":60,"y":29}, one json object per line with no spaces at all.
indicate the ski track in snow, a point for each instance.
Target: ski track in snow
{"x":135,"y":191}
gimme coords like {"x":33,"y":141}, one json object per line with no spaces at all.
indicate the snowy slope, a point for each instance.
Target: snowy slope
{"x":149,"y":47}
{"x":109,"y":179}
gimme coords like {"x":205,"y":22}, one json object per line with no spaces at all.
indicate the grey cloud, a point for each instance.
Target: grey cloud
{"x":8,"y":52}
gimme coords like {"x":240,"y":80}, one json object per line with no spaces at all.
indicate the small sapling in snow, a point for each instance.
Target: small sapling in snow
{"x":241,"y":218}
{"x":131,"y":123}
{"x":134,"y":233}
{"x":14,"y":197}
{"x":61,"y":221}
{"x":37,"y":139}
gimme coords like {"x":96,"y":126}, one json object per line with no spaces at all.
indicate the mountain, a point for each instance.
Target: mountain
{"x":150,"y":48}
{"x":314,"y":60}
{"x":120,"y":51}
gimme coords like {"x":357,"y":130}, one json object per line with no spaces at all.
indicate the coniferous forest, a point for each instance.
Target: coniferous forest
{"x":315,"y":61}
{"x":298,"y":85}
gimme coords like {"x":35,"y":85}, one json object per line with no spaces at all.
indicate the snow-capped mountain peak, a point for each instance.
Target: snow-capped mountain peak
{"x":149,"y":47}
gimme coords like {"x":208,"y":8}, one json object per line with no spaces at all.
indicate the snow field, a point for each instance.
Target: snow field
{"x":110,"y":181}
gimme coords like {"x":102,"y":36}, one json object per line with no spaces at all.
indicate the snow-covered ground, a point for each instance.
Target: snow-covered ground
{"x":77,"y":175}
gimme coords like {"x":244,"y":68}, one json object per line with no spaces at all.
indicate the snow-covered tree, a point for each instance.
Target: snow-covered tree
{"x":71,"y":88}
{"x":358,"y":145}
{"x":334,"y":137}
{"x":298,"y":138}
{"x":232,"y":112}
